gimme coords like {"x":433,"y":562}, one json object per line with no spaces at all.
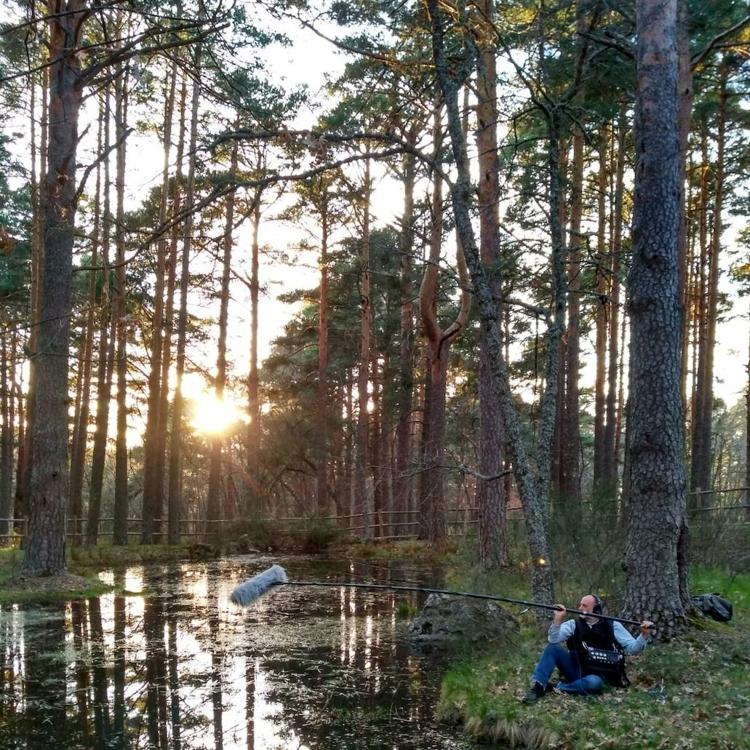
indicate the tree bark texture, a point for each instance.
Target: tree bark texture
{"x":656,"y":439}
{"x":45,"y":545}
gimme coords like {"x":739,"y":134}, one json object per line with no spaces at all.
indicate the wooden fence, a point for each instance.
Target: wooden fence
{"x":382,"y":525}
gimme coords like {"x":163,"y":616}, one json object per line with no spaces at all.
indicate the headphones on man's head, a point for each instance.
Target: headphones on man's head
{"x":597,"y":610}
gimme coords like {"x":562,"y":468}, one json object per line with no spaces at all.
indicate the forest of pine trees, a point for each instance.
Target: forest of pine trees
{"x":505,"y":236}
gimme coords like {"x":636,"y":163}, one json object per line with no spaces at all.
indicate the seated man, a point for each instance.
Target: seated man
{"x":595,"y":652}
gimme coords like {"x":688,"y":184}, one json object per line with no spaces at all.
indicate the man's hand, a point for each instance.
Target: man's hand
{"x":647,"y":628}
{"x":559,"y":615}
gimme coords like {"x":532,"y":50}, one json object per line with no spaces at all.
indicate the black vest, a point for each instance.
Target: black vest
{"x":600,"y":635}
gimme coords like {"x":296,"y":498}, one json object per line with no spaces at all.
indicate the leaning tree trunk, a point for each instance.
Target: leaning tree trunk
{"x":461,"y":193}
{"x":45,"y":545}
{"x":656,"y":435}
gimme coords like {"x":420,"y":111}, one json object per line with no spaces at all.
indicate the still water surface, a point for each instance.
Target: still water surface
{"x":174,"y":664}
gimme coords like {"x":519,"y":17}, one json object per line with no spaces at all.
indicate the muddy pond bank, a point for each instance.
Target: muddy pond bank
{"x":173,"y":664}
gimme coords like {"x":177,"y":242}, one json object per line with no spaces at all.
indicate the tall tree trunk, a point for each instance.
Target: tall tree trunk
{"x":701,"y":295}
{"x":405,"y":383}
{"x":433,"y":513}
{"x":214,"y":509}
{"x":6,"y":440}
{"x":174,"y":497}
{"x":153,"y":488}
{"x":361,"y":493}
{"x":81,"y":420}
{"x":656,"y":440}
{"x":600,"y":310}
{"x":490,"y":493}
{"x":571,"y":432}
{"x":252,"y":468}
{"x":173,"y":520}
{"x":38,"y":223}
{"x":747,"y":435}
{"x":106,"y":355}
{"x":45,"y":545}
{"x":120,"y":510}
{"x":685,"y":85}
{"x":701,"y":466}
{"x":610,"y":430}
{"x":377,"y":452}
{"x":321,"y":438}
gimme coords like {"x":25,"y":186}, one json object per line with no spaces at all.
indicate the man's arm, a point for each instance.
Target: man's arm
{"x":629,"y":644}
{"x":558,"y":633}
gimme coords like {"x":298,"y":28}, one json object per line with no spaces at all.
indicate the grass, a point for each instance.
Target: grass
{"x":691,"y":693}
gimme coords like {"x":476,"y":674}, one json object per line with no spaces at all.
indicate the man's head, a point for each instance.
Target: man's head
{"x":590,"y":603}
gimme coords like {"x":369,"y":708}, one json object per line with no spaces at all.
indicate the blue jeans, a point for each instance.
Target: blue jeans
{"x":555,"y":655}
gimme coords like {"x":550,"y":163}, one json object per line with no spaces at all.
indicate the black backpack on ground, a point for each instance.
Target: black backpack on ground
{"x":714,"y":606}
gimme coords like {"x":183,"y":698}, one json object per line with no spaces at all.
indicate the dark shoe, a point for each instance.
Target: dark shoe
{"x":536,"y":691}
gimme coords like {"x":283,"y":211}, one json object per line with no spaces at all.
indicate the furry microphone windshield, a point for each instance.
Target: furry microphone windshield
{"x":253,"y":588}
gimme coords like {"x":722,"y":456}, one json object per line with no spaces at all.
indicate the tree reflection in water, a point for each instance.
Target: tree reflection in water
{"x":177,"y":667}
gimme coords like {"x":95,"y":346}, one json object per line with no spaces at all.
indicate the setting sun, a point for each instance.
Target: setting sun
{"x":212,"y":416}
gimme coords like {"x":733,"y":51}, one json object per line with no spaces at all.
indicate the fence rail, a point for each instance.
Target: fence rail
{"x":378,"y":524}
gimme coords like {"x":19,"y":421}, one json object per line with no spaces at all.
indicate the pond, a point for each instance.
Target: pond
{"x":172,"y":663}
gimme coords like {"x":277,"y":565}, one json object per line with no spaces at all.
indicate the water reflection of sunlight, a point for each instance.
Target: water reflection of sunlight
{"x":239,"y":679}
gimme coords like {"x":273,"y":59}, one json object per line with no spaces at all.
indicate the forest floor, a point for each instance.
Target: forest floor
{"x":687,"y":694}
